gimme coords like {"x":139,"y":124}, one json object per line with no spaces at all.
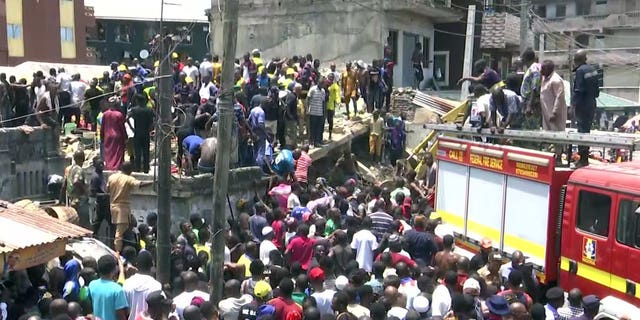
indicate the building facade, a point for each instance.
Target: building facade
{"x":48,"y":31}
{"x":606,"y":29}
{"x":340,"y":31}
{"x":120,"y":35}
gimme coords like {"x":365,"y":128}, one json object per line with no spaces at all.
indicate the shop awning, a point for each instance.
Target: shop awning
{"x":32,"y":238}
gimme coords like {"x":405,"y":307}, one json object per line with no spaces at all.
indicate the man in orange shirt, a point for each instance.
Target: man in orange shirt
{"x":349,"y":86}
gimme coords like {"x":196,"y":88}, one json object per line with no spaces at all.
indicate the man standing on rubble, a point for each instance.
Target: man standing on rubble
{"x":119,"y":187}
{"x":76,"y":189}
{"x":583,"y":100}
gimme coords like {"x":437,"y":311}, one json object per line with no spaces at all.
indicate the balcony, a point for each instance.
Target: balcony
{"x":596,"y":23}
{"x":438,"y":10}
{"x":500,"y":30}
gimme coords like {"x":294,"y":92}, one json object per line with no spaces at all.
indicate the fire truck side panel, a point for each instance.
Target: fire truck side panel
{"x":601,"y":231}
{"x":498,"y":192}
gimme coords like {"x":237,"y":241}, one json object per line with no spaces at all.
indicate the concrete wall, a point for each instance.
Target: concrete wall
{"x":331,"y":30}
{"x":25,"y":162}
{"x":195,"y":194}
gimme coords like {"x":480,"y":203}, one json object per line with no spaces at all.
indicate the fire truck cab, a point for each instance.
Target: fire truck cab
{"x":579,"y":228}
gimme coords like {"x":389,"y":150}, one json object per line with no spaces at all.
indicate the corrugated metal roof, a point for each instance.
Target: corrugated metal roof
{"x":149,"y":10}
{"x":605,"y":100}
{"x":438,"y":105}
{"x":20,"y":228}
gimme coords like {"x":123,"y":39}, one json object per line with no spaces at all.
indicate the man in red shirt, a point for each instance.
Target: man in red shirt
{"x":286,"y":308}
{"x":300,"y":248}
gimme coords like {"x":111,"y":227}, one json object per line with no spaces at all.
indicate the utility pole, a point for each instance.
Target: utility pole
{"x":524,"y":25}
{"x":224,"y":135}
{"x":468,"y":50}
{"x":163,"y":129}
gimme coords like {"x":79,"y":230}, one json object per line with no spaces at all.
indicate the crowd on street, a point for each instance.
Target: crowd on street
{"x":307,"y":248}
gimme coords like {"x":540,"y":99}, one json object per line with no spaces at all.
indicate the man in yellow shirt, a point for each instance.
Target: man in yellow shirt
{"x":333,"y":102}
{"x":217,"y":69}
{"x":376,"y":130}
{"x":349,"y":88}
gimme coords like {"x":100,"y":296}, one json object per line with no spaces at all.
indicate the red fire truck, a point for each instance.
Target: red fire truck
{"x":579,"y":228}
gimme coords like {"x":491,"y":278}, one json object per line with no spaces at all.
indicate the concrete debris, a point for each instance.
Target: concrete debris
{"x":401,"y":101}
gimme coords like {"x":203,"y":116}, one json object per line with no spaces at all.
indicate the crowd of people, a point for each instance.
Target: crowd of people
{"x":533,"y":97}
{"x":305,"y":249}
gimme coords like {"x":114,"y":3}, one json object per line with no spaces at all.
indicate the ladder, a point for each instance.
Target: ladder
{"x":593,"y":139}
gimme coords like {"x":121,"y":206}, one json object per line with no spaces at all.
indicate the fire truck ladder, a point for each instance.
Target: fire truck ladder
{"x":593,"y":139}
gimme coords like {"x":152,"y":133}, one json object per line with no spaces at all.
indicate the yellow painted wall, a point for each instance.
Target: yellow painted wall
{"x":67,"y":19}
{"x":14,"y":17}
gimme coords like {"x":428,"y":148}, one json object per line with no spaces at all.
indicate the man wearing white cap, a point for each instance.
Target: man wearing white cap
{"x":472,"y":287}
{"x":266,"y":246}
{"x":421,"y":305}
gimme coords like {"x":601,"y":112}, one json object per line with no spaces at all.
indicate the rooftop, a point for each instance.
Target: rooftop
{"x":16,"y":223}
{"x":149,"y":10}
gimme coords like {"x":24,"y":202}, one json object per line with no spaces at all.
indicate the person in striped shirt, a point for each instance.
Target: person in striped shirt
{"x":316,"y":109}
{"x":381,"y":220}
{"x":303,"y":162}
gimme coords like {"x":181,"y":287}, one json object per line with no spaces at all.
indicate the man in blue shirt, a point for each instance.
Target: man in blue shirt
{"x":191,"y":144}
{"x":107,"y":297}
{"x":283,"y":164}
{"x":507,"y":103}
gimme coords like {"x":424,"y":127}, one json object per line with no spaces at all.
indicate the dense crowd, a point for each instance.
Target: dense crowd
{"x":307,"y":248}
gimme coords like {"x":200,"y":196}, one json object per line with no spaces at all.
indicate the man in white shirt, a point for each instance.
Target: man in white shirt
{"x":183,"y":300}
{"x":234,"y":300}
{"x":140,"y":285}
{"x":267,"y":245}
{"x":323,"y":296}
{"x":191,"y":71}
{"x":208,"y":91}
{"x":293,"y":200}
{"x":441,"y":299}
{"x":206,"y":67}
{"x":365,"y":243}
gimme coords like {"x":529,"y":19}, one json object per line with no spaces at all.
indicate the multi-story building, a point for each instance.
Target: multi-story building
{"x":48,"y":31}
{"x":606,"y":29}
{"x":339,"y":31}
{"x":123,"y":28}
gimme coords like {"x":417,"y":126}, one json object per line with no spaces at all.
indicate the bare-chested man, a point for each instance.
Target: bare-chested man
{"x":446,"y":260}
{"x":207,"y":161}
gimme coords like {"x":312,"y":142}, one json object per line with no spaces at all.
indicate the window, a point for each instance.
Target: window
{"x":583,"y":7}
{"x":185,"y":33}
{"x":14,"y":31}
{"x":100,"y":32}
{"x":561,"y":10}
{"x":628,"y":228}
{"x":426,"y":59}
{"x":392,"y":42}
{"x":123,"y":33}
{"x":593,"y":212}
{"x":601,"y":2}
{"x":66,"y":34}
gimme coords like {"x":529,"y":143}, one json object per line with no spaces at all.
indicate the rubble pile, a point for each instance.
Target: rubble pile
{"x":401,"y":101}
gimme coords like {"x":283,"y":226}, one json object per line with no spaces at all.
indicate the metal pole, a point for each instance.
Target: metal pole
{"x":221,"y":175}
{"x":524,"y":25}
{"x":468,"y":50}
{"x":163,"y":245}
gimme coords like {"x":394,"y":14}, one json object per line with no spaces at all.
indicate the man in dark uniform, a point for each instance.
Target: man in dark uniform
{"x":591,"y":305}
{"x":583,"y":99}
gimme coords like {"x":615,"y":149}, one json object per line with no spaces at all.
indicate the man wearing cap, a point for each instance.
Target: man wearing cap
{"x":498,"y":307}
{"x":472,"y":287}
{"x":482,"y":257}
{"x":491,"y":271}
{"x":323,"y":296}
{"x":555,"y":300}
{"x":267,"y":245}
{"x":261,"y":294}
{"x":591,"y":305}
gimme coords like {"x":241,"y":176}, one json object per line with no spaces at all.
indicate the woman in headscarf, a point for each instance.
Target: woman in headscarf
{"x":71,"y":290}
